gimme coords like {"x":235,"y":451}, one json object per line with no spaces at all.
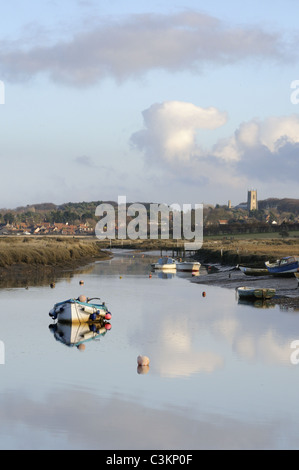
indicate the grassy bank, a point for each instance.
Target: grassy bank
{"x":226,"y":250}
{"x":48,"y":251}
{"x":68,"y":252}
{"x":247,"y":251}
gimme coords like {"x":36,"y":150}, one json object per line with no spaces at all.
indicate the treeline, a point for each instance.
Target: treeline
{"x":66,"y":213}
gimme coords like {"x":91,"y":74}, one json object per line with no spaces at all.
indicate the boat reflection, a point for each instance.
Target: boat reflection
{"x":170,"y":274}
{"x":76,"y":335}
{"x":188,"y":274}
{"x":257,"y":303}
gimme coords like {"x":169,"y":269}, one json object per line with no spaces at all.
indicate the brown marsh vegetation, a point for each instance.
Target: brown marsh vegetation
{"x":48,"y":251}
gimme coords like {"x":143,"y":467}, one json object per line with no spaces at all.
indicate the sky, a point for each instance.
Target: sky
{"x":160,"y":101}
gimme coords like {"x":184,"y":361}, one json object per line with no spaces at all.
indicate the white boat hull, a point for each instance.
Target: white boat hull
{"x":76,"y":312}
{"x":165,"y":263}
{"x":188,"y":266}
{"x":165,"y":267}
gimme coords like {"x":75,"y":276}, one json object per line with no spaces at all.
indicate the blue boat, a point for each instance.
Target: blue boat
{"x":284,"y":266}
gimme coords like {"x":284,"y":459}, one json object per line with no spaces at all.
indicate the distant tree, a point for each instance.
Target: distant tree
{"x":9,"y":218}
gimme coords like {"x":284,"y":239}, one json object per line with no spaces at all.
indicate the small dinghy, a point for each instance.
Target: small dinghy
{"x":165,"y":263}
{"x":188,"y":266}
{"x":80,"y":310}
{"x":251,"y":271}
{"x":255,"y":293}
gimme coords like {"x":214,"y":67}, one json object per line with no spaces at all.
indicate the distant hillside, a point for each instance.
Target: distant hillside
{"x":281,"y":205}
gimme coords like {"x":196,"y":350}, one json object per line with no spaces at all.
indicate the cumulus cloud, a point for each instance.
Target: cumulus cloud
{"x":170,"y":129}
{"x":130,"y":47}
{"x":264,"y":150}
{"x":272,"y":134}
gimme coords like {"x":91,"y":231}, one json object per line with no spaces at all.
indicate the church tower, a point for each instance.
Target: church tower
{"x":252,"y":204}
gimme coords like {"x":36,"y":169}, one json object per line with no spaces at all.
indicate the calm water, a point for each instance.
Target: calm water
{"x":220,"y":374}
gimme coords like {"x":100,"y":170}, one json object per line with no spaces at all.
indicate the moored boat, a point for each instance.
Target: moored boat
{"x":79,"y":311}
{"x":255,"y":293}
{"x":284,"y":266}
{"x":164,"y":263}
{"x":188,"y":266}
{"x":252,"y":271}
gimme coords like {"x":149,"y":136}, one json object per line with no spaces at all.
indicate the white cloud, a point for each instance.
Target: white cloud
{"x":130,"y":47}
{"x":272,"y":134}
{"x":258,"y":150}
{"x":170,"y":130}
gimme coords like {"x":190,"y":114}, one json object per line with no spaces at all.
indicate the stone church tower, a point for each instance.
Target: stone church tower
{"x":252,"y":204}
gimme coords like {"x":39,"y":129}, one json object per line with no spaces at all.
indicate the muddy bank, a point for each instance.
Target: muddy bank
{"x":230,"y":277}
{"x":22,"y":275}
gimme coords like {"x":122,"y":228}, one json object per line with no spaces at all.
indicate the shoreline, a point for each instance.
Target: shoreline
{"x":251,"y":252}
{"x":42,"y":260}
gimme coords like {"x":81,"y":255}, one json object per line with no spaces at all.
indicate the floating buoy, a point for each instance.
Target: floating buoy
{"x":107,"y":326}
{"x":81,"y":347}
{"x":150,"y":276}
{"x":82,"y":298}
{"x":143,"y":361}
{"x":52,"y":285}
{"x":203,"y":294}
{"x":120,"y":277}
{"x":81,"y":283}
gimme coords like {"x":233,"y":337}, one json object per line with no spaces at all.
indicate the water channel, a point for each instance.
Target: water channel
{"x":220,"y":374}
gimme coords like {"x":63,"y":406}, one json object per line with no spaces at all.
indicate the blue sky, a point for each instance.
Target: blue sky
{"x":176,"y":102}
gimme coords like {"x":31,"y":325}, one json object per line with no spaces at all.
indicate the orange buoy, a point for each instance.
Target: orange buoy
{"x":81,"y":283}
{"x":143,"y":361}
{"x":203,"y":294}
